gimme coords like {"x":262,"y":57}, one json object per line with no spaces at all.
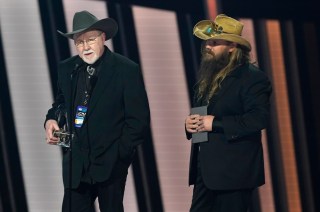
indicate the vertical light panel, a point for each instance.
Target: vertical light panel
{"x":265,"y":191}
{"x":31,"y":96}
{"x":163,"y":71}
{"x":283,"y":115}
{"x":99,"y":9}
{"x":248,"y":33}
{"x":212,"y":9}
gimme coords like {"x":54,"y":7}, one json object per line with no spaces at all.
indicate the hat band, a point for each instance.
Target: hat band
{"x":215,"y":29}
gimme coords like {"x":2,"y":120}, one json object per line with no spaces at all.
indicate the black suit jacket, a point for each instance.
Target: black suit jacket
{"x":117,"y":119}
{"x":233,"y":157}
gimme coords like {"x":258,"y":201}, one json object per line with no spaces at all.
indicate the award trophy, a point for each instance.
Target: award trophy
{"x":63,"y":133}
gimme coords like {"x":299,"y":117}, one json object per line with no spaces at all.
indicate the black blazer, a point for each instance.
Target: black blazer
{"x":233,"y":157}
{"x":117,"y":119}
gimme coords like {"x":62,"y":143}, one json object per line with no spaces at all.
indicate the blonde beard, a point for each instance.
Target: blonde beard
{"x":210,"y":67}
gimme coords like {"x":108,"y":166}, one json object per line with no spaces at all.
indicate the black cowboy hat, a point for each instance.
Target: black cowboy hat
{"x":84,"y":21}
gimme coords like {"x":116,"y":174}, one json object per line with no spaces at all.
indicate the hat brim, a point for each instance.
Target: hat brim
{"x":107,"y":25}
{"x":227,"y":37}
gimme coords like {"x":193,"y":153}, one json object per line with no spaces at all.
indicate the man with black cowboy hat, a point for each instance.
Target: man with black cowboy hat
{"x":104,"y":96}
{"x":226,"y":167}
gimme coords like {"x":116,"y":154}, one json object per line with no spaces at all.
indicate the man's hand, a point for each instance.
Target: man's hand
{"x":51,"y":126}
{"x":191,"y":123}
{"x":205,"y":123}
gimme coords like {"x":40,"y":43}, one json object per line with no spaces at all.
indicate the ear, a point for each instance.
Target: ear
{"x":232,"y":46}
{"x":103,"y":36}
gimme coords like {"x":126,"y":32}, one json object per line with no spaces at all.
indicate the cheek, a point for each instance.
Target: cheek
{"x":80,"y":52}
{"x":220,"y":51}
{"x":99,"y":50}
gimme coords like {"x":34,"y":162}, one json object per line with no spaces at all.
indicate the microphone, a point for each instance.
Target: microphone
{"x":75,"y":69}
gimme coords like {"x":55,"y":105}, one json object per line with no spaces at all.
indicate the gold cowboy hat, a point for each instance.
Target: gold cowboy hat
{"x":223,"y":28}
{"x":85,"y":21}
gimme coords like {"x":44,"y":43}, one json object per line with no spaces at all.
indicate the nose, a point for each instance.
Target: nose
{"x":86,"y":46}
{"x":209,"y":47}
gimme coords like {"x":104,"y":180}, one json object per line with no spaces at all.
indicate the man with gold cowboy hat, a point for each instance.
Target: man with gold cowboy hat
{"x":107,"y":110}
{"x":227,"y":166}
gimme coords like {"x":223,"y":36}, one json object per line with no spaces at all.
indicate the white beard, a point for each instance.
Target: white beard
{"x":93,"y":58}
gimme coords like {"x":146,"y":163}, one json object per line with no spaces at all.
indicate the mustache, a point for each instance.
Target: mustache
{"x":88,"y":51}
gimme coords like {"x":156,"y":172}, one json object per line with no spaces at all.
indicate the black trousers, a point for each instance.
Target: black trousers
{"x":109,"y":193}
{"x":206,"y":200}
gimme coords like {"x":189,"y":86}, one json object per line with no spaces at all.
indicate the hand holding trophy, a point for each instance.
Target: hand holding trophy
{"x":63,"y":133}
{"x":64,"y":137}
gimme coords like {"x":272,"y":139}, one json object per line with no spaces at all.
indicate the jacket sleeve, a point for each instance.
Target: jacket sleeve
{"x":188,"y":135}
{"x":255,"y":93}
{"x":136,"y":106}
{"x":57,"y":106}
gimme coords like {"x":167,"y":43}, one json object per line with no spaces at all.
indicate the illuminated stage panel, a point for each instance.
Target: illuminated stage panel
{"x":283,"y":115}
{"x":163,"y":71}
{"x":99,"y":9}
{"x":31,"y":96}
{"x":266,"y":191}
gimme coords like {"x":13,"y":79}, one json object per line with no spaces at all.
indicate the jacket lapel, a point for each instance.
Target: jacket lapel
{"x":106,"y":70}
{"x":71,"y":78}
{"x":226,"y":84}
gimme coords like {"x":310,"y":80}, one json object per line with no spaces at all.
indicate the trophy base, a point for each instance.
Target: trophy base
{"x":64,"y":144}
{"x":64,"y":138}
